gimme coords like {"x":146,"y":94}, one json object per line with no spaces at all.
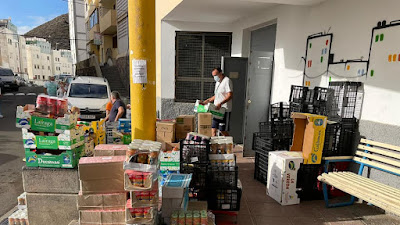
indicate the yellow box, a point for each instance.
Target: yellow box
{"x":309,"y":136}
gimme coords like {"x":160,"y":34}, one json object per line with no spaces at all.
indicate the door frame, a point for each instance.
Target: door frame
{"x":245,"y":93}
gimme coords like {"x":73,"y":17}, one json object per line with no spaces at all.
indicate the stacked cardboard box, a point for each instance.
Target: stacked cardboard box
{"x":54,"y":141}
{"x":184,"y":125}
{"x":165,"y":131}
{"x":102,"y":197}
{"x":204,"y":124}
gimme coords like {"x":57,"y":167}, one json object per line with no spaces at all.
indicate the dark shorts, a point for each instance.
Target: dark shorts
{"x":222,"y":125}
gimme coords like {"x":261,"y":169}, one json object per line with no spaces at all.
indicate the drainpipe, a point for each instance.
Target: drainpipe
{"x":142,"y":64}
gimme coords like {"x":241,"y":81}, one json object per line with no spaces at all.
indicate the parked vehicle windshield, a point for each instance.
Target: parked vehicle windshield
{"x":6,"y":72}
{"x":88,"y":91}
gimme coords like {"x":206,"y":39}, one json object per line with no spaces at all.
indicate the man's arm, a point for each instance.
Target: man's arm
{"x":209,"y":100}
{"x":121,"y":111}
{"x":228,"y":97}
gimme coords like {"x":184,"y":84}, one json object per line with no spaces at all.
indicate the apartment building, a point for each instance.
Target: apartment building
{"x":62,"y":62}
{"x":39,"y":58}
{"x":12,"y":48}
{"x":77,"y":31}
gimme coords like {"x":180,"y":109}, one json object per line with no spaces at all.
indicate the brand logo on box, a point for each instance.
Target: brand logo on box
{"x":41,"y":161}
{"x":314,"y":157}
{"x":23,"y":122}
{"x":43,"y":123}
{"x":32,"y":159}
{"x":292,"y":166}
{"x":67,"y":159}
{"x":29,"y":142}
{"x":318,"y":122}
{"x":47,"y":141}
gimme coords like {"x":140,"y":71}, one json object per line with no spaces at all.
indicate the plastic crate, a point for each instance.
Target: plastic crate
{"x":262,"y":143}
{"x":194,"y":152}
{"x":261,"y":160}
{"x":280,"y":111}
{"x":307,"y":182}
{"x":332,"y":132}
{"x":277,"y":129}
{"x":199,"y":174}
{"x":298,"y":94}
{"x":347,"y":100}
{"x":261,"y":174}
{"x":296,"y":107}
{"x":224,"y":199}
{"x":226,"y":176}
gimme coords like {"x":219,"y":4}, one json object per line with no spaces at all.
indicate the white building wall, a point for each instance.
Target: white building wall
{"x":351,"y":23}
{"x":77,"y":31}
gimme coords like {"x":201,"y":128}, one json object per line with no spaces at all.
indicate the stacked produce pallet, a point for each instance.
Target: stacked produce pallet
{"x":53,"y":145}
{"x":276,"y":134}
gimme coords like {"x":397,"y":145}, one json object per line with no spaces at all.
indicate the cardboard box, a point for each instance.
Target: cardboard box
{"x":36,"y":123}
{"x":175,"y":193}
{"x":110,"y":150}
{"x":168,"y":146}
{"x":102,"y":174}
{"x":170,"y":160}
{"x":282,"y":176}
{"x":197,"y":206}
{"x":149,"y":218}
{"x":68,"y":140}
{"x":165,"y":131}
{"x":184,"y":125}
{"x":102,"y":216}
{"x":204,"y":124}
{"x":211,"y":108}
{"x":67,"y":159}
{"x":102,"y":201}
{"x":309,"y":136}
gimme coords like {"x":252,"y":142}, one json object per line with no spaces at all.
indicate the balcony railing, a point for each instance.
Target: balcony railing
{"x":108,"y":21}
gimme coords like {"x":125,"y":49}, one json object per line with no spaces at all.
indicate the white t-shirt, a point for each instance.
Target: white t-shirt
{"x":222,"y":89}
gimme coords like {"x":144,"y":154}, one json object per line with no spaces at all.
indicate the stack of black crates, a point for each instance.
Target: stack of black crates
{"x":276,"y":134}
{"x":215,"y":183}
{"x":341,"y":103}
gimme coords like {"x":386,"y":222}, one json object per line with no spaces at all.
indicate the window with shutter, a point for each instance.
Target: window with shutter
{"x":197,"y":53}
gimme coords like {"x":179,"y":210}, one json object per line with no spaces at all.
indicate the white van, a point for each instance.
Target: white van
{"x":90,"y":95}
{"x":8,"y":79}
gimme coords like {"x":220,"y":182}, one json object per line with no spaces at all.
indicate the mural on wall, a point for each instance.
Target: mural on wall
{"x":320,"y":67}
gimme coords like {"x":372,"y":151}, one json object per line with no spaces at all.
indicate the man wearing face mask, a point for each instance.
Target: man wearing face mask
{"x":222,"y":98}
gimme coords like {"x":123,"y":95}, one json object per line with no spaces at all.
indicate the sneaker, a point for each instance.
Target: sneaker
{"x":1,"y":116}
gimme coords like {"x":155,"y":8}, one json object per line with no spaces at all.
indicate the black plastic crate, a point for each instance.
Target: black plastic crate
{"x":346,"y":101}
{"x":199,"y":174}
{"x":296,"y":107}
{"x":277,"y":129}
{"x":307,"y":182}
{"x":194,"y":152}
{"x":332,"y":132}
{"x":280,"y":111}
{"x":261,"y":160}
{"x":260,"y":174}
{"x":226,"y":176}
{"x":224,"y":199}
{"x":262,"y":143}
{"x":298,"y":94}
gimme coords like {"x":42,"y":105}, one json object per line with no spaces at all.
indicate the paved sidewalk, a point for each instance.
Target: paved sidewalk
{"x":259,"y":209}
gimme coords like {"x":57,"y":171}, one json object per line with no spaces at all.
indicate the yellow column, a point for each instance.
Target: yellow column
{"x":141,"y":15}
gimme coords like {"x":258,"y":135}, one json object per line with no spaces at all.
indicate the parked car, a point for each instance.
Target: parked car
{"x":90,"y":95}
{"x":20,"y":81}
{"x":8,"y":79}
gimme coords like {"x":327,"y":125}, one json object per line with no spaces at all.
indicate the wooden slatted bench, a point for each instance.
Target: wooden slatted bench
{"x":375,"y":155}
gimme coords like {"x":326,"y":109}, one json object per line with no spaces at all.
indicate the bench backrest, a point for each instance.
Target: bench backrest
{"x":378,"y":155}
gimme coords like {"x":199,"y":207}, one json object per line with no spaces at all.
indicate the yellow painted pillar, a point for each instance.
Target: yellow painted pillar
{"x":142,"y":56}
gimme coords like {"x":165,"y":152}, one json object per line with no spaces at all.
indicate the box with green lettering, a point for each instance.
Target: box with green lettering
{"x":52,"y":158}
{"x":27,"y":118}
{"x":67,"y":140}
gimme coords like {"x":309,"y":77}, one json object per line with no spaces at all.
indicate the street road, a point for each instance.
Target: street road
{"x":11,"y":148}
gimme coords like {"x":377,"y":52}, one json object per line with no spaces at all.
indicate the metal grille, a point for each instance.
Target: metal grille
{"x":196,"y":55}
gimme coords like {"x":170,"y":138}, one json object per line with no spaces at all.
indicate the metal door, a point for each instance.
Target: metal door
{"x":259,"y":81}
{"x":236,"y":69}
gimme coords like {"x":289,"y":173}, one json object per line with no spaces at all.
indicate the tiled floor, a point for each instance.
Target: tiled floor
{"x":259,"y":209}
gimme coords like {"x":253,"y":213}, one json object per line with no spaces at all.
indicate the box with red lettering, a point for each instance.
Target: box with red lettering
{"x":282,"y":176}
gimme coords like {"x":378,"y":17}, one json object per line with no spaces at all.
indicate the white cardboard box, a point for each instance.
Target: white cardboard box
{"x":282,"y":176}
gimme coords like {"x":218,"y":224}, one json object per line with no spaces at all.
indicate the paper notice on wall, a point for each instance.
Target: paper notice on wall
{"x":139,"y":71}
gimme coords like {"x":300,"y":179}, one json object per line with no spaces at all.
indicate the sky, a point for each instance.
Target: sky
{"x":28,"y":14}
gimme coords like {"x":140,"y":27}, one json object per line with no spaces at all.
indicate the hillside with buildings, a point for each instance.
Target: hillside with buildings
{"x":55,"y":31}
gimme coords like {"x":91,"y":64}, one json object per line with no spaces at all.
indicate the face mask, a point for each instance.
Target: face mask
{"x":216,"y":78}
